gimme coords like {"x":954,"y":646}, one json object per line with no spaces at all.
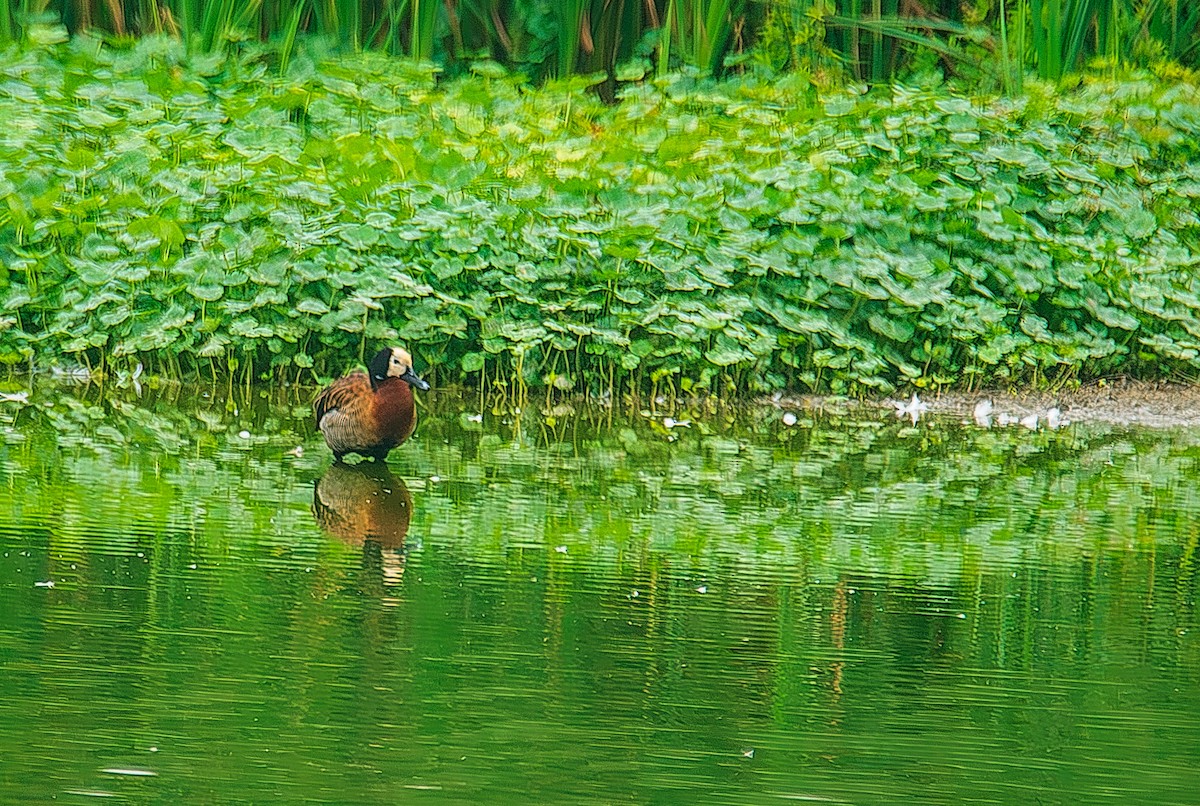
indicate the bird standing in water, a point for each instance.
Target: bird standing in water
{"x":371,"y":412}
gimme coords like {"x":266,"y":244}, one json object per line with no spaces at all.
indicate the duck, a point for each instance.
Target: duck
{"x":370,"y":413}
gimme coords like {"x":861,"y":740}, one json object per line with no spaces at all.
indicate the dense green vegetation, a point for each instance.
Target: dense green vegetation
{"x":224,"y":216}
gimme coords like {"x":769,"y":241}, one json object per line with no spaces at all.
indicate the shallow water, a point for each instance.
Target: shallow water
{"x":595,"y":610}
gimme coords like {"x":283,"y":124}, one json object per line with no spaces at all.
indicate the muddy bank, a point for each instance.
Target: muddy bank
{"x":1119,"y":402}
{"x":1157,"y":405}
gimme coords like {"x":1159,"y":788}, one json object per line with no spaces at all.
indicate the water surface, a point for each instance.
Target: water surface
{"x":590,"y":607}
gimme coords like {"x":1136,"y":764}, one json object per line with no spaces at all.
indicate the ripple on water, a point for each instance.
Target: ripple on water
{"x":841,"y":613}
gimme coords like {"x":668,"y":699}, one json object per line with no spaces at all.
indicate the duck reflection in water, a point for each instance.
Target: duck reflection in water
{"x":366,"y":505}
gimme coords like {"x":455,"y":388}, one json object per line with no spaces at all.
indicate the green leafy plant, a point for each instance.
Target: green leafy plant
{"x":219,"y":220}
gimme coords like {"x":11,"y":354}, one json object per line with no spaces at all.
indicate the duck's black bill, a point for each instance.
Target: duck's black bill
{"x":413,"y":380}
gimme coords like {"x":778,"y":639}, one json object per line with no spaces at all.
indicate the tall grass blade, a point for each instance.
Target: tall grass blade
{"x":216,"y":22}
{"x":350,"y":29}
{"x":877,"y":59}
{"x":670,"y":20}
{"x":291,"y":29}
{"x":8,"y":25}
{"x":1006,"y":72}
{"x":1174,"y":23}
{"x":614,"y":32}
{"x":1079,"y":18}
{"x":424,"y":20}
{"x":699,"y":32}
{"x":247,"y":17}
{"x":902,"y":29}
{"x":1060,"y":33}
{"x":569,"y":14}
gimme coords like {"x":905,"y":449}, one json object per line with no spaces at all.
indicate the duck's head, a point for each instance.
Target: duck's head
{"x":394,"y":362}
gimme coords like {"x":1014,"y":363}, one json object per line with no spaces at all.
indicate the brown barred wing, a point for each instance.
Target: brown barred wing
{"x":343,"y":414}
{"x":341,"y":393}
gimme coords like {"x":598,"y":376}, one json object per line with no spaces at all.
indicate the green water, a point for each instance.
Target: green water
{"x":595,"y":611}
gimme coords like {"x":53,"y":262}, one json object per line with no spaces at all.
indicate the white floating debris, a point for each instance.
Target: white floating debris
{"x":74,"y":373}
{"x":913,"y":409}
{"x":297,"y":451}
{"x":671,"y":422}
{"x":1030,"y":422}
{"x":49,"y":583}
{"x":124,"y":771}
{"x":474,"y":418}
{"x":983,"y":414}
{"x":748,"y":752}
{"x":961,"y":615}
{"x":702,"y":589}
{"x":789,"y":419}
{"x":14,"y":397}
{"x":435,"y":479}
{"x":634,"y":595}
{"x":244,"y":434}
{"x":561,"y":549}
{"x":1054,"y":418}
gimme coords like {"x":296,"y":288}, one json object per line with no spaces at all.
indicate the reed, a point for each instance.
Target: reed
{"x":700,"y":31}
{"x":570,"y":16}
{"x":876,"y":40}
{"x":1175,"y":25}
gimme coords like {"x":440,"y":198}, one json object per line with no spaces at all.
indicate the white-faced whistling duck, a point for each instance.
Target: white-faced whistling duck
{"x":371,"y":412}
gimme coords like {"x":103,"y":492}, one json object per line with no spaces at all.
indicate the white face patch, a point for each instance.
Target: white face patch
{"x":398,"y":364}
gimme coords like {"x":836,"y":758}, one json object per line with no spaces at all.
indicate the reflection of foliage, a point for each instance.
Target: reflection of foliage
{"x":833,"y":491}
{"x":215,"y":220}
{"x":830,"y":588}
